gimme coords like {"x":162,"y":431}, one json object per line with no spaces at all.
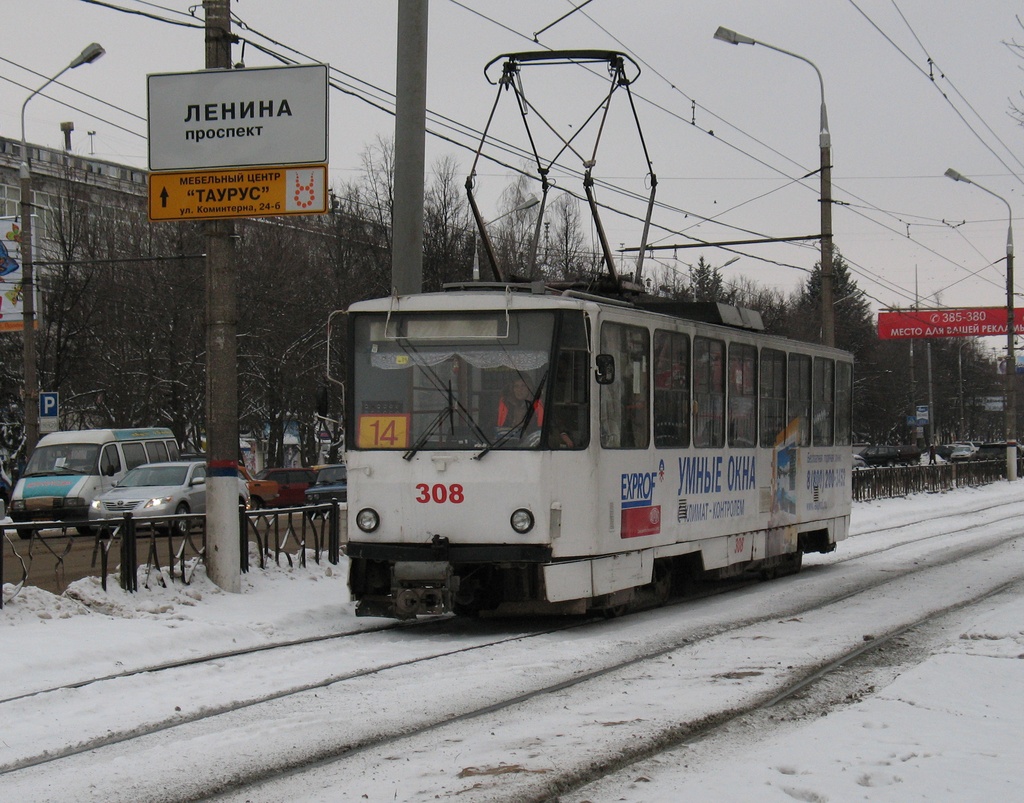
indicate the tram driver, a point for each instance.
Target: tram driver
{"x":514,"y":407}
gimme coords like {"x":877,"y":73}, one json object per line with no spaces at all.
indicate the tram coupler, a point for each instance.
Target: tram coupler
{"x":418,"y":588}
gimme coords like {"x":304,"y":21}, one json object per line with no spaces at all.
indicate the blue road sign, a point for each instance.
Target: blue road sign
{"x":48,"y":405}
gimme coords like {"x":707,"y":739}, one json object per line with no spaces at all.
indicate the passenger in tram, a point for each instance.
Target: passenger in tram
{"x":563,"y":429}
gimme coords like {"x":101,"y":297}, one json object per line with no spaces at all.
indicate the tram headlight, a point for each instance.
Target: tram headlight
{"x":367,"y":520}
{"x":521,"y":521}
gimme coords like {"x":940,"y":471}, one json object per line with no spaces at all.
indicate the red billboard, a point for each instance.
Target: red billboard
{"x":974,"y":322}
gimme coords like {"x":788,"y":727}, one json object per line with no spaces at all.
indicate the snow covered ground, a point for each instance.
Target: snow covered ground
{"x":947,"y":729}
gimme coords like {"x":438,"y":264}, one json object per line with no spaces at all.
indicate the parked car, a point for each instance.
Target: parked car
{"x":261,"y":492}
{"x":331,"y":485}
{"x":291,"y":484}
{"x":859,"y":461}
{"x":992,"y":451}
{"x":158,"y":489}
{"x":886,"y":455}
{"x":963,"y":451}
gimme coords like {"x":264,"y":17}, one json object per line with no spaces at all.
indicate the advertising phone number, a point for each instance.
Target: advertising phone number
{"x":959,"y":316}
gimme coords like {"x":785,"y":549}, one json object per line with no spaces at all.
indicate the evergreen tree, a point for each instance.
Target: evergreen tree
{"x":708,"y":285}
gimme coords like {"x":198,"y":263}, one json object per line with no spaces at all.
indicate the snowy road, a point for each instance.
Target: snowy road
{"x":510,"y":710}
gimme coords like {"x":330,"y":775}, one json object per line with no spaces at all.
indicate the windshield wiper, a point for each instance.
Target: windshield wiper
{"x":434,"y":425}
{"x":454,"y":406}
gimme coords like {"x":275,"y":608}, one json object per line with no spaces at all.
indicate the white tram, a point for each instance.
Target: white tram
{"x":647,"y":447}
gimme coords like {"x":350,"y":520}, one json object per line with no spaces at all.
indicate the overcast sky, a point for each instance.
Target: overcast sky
{"x":897,"y":121}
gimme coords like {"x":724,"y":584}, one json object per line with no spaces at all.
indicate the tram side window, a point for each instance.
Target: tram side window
{"x":671,"y":389}
{"x":625,"y":403}
{"x":844,"y":403}
{"x":823,"y":402}
{"x":742,"y":395}
{"x":570,"y":409}
{"x":773,"y":396}
{"x":708,"y":392}
{"x":799,"y":409}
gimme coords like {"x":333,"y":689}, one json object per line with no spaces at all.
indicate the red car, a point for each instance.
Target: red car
{"x":291,"y":484}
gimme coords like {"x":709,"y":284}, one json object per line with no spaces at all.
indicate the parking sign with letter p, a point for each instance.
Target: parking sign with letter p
{"x":49,"y":406}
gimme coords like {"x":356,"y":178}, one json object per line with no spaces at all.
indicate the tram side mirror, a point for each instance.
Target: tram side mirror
{"x":605,"y":369}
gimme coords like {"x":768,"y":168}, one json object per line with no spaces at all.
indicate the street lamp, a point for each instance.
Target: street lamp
{"x":87,"y":56}
{"x":828,"y":326}
{"x":1010,"y":379}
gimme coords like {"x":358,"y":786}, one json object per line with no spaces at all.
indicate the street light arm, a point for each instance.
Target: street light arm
{"x":953,"y":174}
{"x":87,"y":56}
{"x":24,"y":145}
{"x":726,"y":35}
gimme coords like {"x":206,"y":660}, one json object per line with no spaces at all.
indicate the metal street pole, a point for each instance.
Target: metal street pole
{"x":1010,"y":379}
{"x":223,"y":547}
{"x":410,"y":145}
{"x":828,"y":325}
{"x":87,"y":56}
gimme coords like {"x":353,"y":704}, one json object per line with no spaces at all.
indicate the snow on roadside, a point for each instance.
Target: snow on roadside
{"x":46,"y":639}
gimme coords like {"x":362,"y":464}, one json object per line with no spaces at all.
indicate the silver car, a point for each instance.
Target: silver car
{"x":157,"y":489}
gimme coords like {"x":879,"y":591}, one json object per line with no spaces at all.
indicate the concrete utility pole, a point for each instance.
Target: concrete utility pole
{"x":223,"y":548}
{"x":410,"y":145}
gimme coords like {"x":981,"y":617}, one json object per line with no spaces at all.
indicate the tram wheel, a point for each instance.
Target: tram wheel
{"x":661,"y":585}
{"x":615,"y":611}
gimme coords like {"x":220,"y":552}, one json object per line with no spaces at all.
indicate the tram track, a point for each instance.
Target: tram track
{"x":447,"y":662}
{"x":818,"y":693}
{"x":210,"y":712}
{"x":441,"y":625}
{"x":494,"y":716}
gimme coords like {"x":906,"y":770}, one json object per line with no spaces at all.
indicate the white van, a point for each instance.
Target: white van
{"x":70,"y":469}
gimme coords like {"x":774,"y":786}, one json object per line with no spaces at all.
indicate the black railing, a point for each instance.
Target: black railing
{"x":53,"y":560}
{"x":316,"y":529}
{"x":895,"y":481}
{"x":169,"y":547}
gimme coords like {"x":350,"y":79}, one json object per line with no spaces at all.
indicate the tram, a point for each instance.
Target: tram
{"x":646,"y":442}
{"x":516,"y":447}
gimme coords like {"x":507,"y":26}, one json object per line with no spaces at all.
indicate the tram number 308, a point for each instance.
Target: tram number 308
{"x":440,"y":493}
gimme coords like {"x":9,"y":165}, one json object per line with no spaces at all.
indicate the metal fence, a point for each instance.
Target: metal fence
{"x":169,"y":547}
{"x":896,"y":481}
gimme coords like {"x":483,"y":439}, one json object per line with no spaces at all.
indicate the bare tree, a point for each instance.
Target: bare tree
{"x":566,"y":255}
{"x":447,"y":237}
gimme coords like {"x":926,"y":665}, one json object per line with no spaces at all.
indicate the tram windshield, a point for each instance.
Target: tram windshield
{"x":467,"y":380}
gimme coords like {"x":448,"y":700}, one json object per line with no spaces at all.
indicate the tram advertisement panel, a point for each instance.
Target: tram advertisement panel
{"x":784,"y":476}
{"x":723,"y":491}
